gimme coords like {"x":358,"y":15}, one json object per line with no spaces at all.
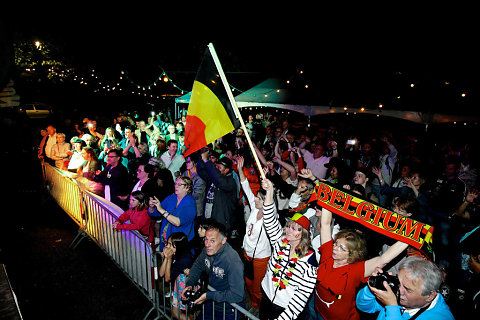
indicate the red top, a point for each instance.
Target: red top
{"x":139,"y":220}
{"x":336,"y":288}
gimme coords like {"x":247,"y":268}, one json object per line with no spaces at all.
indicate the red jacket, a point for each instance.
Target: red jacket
{"x":139,"y":220}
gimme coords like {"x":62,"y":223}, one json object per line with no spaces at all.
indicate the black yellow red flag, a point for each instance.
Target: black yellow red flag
{"x":210,"y":114}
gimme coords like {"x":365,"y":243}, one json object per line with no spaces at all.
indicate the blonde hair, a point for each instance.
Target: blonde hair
{"x":305,"y":242}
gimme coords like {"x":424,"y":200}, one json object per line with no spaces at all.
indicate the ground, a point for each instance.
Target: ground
{"x":50,"y":279}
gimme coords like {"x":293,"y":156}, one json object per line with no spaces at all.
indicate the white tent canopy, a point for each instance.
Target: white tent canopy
{"x":272,"y":93}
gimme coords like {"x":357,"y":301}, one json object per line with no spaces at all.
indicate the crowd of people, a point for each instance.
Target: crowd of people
{"x":298,"y":260}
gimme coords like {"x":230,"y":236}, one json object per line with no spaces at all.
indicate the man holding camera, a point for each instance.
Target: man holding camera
{"x":224,"y":269}
{"x":417,"y":297}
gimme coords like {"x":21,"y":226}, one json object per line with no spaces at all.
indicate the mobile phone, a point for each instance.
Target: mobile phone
{"x":351,"y":141}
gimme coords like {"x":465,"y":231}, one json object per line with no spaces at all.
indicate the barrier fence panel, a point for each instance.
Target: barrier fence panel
{"x":66,"y":192}
{"x":236,"y":311}
{"x":129,"y":250}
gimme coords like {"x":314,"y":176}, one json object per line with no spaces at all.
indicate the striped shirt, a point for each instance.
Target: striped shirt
{"x":287,"y":283}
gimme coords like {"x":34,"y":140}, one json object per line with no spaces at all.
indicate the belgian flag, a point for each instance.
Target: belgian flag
{"x":210,"y":114}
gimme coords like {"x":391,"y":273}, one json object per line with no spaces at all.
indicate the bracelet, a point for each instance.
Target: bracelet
{"x":165,"y":216}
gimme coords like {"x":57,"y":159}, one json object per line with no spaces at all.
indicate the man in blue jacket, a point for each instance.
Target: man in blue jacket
{"x":225,"y":274}
{"x":418,"y":296}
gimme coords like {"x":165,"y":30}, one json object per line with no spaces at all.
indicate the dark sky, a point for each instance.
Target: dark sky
{"x":356,"y":55}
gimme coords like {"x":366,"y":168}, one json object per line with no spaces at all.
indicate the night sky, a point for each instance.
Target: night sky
{"x":356,"y":59}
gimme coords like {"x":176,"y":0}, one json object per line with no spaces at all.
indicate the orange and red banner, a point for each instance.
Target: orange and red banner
{"x":371,"y":215}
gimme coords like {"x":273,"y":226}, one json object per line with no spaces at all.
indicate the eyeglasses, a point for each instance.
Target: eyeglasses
{"x":112,"y":156}
{"x":180,"y":184}
{"x":335,"y":244}
{"x":140,"y":170}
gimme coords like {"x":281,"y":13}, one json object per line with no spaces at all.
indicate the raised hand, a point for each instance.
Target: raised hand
{"x":240,"y":162}
{"x":472,"y":195}
{"x":306,"y":173}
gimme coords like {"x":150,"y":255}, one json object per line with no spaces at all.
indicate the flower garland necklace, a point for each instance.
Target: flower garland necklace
{"x":279,"y":282}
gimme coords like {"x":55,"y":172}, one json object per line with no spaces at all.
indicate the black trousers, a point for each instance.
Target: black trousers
{"x":269,"y":310}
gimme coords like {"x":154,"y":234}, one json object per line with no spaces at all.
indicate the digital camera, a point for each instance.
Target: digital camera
{"x":377,"y":282}
{"x":192,"y":295}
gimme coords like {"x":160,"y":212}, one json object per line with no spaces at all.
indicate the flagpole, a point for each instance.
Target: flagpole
{"x":235,"y":107}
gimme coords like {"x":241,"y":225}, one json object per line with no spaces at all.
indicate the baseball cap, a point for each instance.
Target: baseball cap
{"x":301,"y":220}
{"x":226,"y":162}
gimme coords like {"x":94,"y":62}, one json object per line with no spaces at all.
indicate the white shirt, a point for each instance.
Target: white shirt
{"x":52,"y":140}
{"x":317,"y":166}
{"x":253,"y":228}
{"x":76,"y":160}
{"x":172,"y":164}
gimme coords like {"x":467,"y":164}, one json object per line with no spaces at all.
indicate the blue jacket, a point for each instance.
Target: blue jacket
{"x":367,"y":302}
{"x":186,"y":212}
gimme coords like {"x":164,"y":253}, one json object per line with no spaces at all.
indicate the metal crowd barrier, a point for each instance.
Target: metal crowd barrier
{"x":129,"y":250}
{"x":66,"y":192}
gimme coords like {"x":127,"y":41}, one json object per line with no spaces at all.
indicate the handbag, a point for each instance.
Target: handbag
{"x":248,"y":264}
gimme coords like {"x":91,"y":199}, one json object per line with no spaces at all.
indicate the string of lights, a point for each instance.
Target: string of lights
{"x":155,"y":88}
{"x":126,"y":83}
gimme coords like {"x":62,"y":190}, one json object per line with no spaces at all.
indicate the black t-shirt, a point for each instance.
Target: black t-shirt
{"x":180,"y":264}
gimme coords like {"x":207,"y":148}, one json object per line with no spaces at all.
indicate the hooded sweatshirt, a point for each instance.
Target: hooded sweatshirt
{"x":222,"y":269}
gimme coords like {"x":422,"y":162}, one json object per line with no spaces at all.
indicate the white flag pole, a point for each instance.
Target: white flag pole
{"x":235,"y":107}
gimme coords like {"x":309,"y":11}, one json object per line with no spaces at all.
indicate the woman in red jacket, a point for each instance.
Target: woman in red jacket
{"x":137,"y":216}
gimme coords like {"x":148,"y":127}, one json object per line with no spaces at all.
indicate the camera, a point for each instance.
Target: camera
{"x":109,"y":144}
{"x":192,"y":295}
{"x":377,"y":282}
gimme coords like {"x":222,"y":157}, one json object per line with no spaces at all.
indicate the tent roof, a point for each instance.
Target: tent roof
{"x":277,"y":93}
{"x":184,"y":99}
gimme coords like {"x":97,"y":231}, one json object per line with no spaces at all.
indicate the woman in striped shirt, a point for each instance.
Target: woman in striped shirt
{"x":291,"y":272}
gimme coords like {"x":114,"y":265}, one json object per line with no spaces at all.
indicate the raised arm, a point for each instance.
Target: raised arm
{"x":270,"y":219}
{"x":462,"y":209}
{"x":325,"y":228}
{"x":166,"y":267}
{"x":386,"y":257}
{"x":260,"y":155}
{"x":302,"y":145}
{"x":240,"y":162}
{"x":156,"y":210}
{"x":287,"y":166}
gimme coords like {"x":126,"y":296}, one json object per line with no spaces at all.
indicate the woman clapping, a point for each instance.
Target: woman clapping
{"x":178,"y":211}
